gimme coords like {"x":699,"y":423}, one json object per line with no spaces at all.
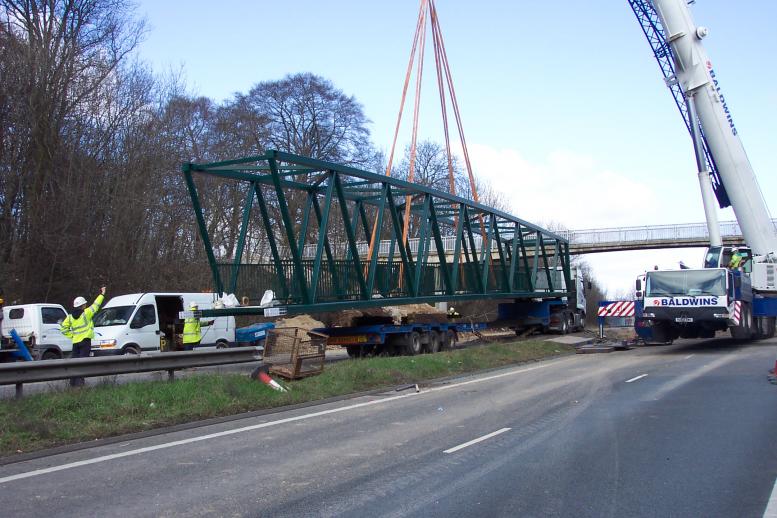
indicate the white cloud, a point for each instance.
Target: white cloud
{"x":565,"y":187}
{"x":576,"y":191}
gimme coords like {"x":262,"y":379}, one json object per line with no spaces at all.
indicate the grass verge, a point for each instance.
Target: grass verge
{"x":64,"y":417}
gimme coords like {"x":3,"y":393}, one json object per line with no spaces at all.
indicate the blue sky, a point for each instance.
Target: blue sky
{"x":564,"y":108}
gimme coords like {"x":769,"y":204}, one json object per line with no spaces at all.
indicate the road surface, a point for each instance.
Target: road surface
{"x":684,"y":430}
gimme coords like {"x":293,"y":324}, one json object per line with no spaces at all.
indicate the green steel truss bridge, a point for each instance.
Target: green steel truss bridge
{"x":305,"y":204}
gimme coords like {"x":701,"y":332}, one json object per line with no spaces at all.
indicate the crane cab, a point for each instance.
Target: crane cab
{"x":720,"y":257}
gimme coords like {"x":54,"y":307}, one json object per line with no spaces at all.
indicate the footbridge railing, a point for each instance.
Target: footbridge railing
{"x":681,"y":235}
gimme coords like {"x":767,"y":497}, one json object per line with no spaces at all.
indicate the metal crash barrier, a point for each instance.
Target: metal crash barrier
{"x":20,"y":373}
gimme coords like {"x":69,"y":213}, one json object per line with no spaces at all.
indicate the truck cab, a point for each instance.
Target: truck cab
{"x":38,"y":325}
{"x":691,"y":303}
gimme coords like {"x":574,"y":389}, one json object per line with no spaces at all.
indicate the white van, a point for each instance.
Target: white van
{"x":38,"y":327}
{"x":129,"y":324}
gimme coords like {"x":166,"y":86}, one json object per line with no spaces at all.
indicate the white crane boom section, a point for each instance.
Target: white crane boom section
{"x":697,"y":78}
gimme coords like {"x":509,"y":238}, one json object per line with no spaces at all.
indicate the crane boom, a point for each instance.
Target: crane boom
{"x":697,"y":78}
{"x":654,"y":32}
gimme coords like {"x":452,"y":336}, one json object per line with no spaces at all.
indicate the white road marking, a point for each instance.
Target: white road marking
{"x":488,"y":378}
{"x":190,"y":440}
{"x":635,"y":378}
{"x":475,"y":441}
{"x":688,"y":357}
{"x":771,"y":507}
{"x":138,"y":451}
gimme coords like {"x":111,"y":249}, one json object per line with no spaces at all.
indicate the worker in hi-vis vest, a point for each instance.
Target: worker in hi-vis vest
{"x":192,"y":332}
{"x":79,"y":327}
{"x":736,"y":260}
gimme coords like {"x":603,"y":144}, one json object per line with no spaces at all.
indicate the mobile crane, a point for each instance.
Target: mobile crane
{"x":692,"y":303}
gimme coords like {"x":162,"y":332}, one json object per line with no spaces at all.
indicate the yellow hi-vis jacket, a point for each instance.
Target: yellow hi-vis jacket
{"x":81,"y":328}
{"x":191,"y":331}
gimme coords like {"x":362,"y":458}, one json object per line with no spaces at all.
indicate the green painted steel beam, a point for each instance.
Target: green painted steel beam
{"x":446,"y":276}
{"x":397,"y":226}
{"x":351,"y":237}
{"x":376,"y":249}
{"x":330,"y":258}
{"x":289,"y":228}
{"x":423,"y":250}
{"x":458,"y":242}
{"x":269,"y":228}
{"x":190,"y":185}
{"x":323,"y":228}
{"x":241,"y":240}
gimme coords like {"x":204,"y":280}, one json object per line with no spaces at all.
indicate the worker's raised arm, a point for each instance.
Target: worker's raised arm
{"x":98,"y":302}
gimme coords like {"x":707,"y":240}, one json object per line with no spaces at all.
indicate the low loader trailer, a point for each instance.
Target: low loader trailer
{"x":410,"y":339}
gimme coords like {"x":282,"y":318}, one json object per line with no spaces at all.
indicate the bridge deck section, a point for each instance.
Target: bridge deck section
{"x":319,"y":218}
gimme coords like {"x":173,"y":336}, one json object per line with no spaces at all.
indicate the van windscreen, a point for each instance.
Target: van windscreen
{"x":115,"y":316}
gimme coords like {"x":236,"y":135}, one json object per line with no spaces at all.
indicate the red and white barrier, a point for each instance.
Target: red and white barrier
{"x":735,"y":312}
{"x":623,"y":308}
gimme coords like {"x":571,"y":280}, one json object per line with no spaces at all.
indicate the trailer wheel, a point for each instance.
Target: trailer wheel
{"x":448,"y":339}
{"x":581,"y":327}
{"x":354,"y":351}
{"x":412,"y":343}
{"x":564,"y":324}
{"x":433,"y":345}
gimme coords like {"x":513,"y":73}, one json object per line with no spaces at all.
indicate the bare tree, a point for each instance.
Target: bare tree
{"x":305,"y":114}
{"x":62,"y":62}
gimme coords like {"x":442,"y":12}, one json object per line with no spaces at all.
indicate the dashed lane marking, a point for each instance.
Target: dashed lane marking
{"x":475,"y":441}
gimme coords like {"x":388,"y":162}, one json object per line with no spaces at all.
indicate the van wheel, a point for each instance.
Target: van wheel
{"x":221,"y":344}
{"x":130,"y":349}
{"x":50,"y":355}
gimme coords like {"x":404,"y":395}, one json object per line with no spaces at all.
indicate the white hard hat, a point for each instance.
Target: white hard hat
{"x":192,"y":305}
{"x":78,"y":302}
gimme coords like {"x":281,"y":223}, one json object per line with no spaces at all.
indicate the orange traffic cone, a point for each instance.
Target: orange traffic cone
{"x":267,"y":380}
